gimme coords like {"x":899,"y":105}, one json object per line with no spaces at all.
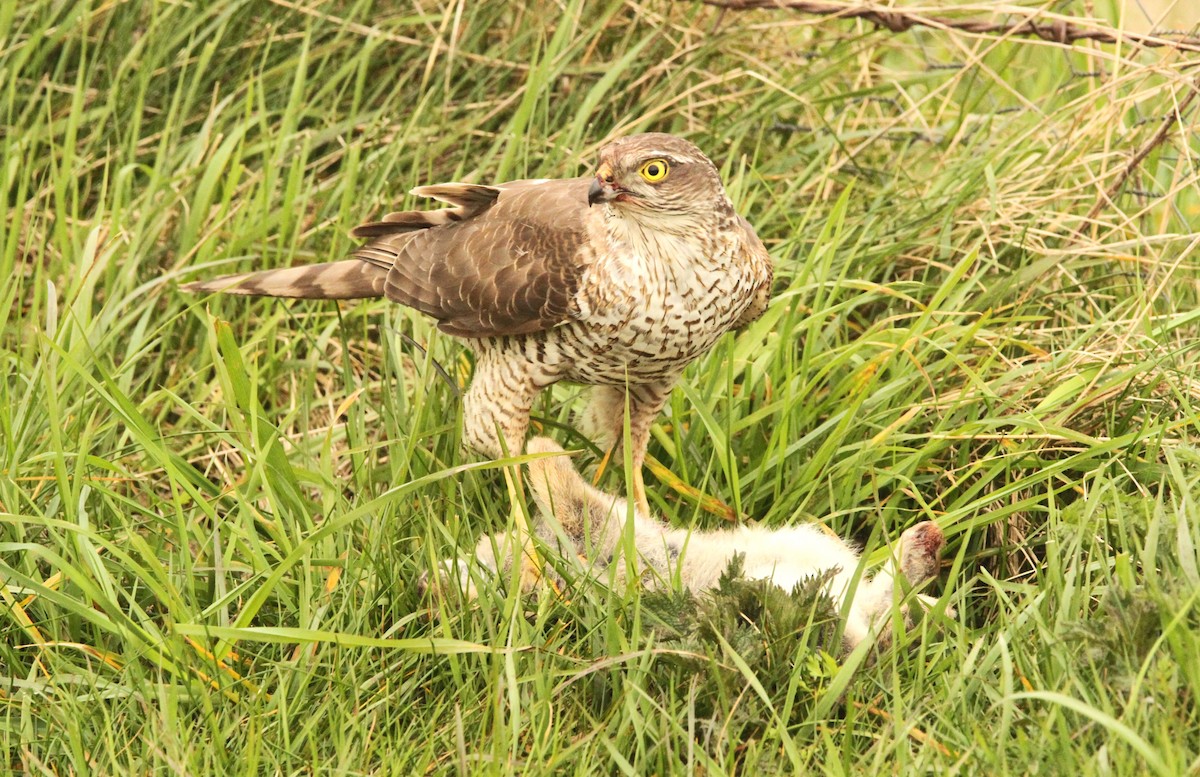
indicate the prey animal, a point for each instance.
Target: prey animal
{"x":580,"y":520}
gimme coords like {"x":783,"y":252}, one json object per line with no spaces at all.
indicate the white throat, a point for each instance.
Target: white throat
{"x":675,"y":243}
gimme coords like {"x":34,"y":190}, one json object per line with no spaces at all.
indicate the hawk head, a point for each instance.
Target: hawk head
{"x":659,"y":180}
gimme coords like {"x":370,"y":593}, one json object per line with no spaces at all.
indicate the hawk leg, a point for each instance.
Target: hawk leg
{"x":496,"y":407}
{"x":604,"y":422}
{"x":495,"y":419}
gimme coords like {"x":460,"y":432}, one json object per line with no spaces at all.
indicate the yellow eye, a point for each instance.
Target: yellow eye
{"x":655,"y":170}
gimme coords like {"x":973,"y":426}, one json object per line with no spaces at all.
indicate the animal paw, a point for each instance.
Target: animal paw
{"x":921,"y":552}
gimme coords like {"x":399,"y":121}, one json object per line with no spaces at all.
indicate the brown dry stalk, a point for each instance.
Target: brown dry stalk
{"x":1055,"y":30}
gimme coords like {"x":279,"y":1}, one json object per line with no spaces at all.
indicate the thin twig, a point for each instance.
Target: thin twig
{"x":1055,"y":30}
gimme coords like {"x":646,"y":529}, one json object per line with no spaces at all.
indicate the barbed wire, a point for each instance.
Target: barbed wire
{"x":1169,"y":122}
{"x":1055,"y":29}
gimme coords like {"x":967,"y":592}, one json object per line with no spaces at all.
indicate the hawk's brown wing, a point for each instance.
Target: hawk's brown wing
{"x":507,"y":260}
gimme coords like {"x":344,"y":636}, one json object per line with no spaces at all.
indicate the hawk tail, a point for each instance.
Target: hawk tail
{"x":347,"y":279}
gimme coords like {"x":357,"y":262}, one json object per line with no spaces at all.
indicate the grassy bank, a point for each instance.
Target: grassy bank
{"x":213,"y":512}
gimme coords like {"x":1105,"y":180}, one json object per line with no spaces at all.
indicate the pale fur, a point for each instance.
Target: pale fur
{"x":580,"y":520}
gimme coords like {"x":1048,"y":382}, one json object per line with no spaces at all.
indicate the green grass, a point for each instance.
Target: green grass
{"x":213,"y":511}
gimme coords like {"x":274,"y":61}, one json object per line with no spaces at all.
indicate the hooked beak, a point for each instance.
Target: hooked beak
{"x":604,"y":187}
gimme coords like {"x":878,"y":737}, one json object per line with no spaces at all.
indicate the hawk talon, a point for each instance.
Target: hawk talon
{"x":603,"y":465}
{"x":639,"y":491}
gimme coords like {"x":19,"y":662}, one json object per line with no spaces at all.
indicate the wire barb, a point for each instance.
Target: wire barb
{"x":1056,"y":30}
